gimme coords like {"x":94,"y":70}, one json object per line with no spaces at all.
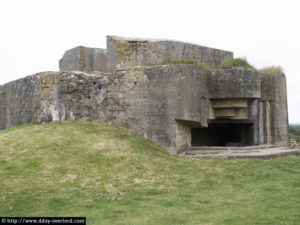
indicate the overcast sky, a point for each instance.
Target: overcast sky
{"x":35,"y":33}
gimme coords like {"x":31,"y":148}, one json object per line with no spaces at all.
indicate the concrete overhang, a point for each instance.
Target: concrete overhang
{"x":233,"y":83}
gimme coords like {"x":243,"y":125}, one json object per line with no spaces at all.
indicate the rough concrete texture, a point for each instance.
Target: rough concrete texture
{"x":19,"y":101}
{"x":51,"y":96}
{"x":161,"y":103}
{"x":145,"y":100}
{"x":84,"y":59}
{"x":148,"y":100}
{"x":177,"y":106}
{"x":128,"y":52}
{"x":274,"y":99}
{"x":122,"y":52}
{"x":237,"y":83}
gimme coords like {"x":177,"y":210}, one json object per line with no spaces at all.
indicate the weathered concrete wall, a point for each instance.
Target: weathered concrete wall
{"x":242,"y":84}
{"x":84,"y":59}
{"x":71,"y":95}
{"x":128,"y":52}
{"x":148,"y":100}
{"x":274,"y":97}
{"x":233,"y":83}
{"x":19,"y":101}
{"x":229,"y":108}
{"x":51,"y":96}
{"x":254,"y":116}
{"x":100,"y":60}
{"x":122,"y":52}
{"x":160,"y":102}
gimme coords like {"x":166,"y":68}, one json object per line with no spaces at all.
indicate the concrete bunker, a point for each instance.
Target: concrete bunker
{"x":131,"y":85}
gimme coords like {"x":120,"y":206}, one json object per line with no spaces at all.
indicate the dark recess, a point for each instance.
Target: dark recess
{"x":223,"y":134}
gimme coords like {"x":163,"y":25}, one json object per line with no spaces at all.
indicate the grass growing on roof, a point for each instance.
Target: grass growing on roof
{"x":229,"y":63}
{"x":272,"y":69}
{"x":191,"y":62}
{"x":183,"y":61}
{"x":111,"y":176}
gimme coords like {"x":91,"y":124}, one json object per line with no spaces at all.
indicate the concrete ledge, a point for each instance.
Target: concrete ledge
{"x":252,"y":147}
{"x":233,"y":83}
{"x":242,"y":152}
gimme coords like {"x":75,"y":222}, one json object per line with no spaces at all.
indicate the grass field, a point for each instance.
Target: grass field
{"x":113,"y":177}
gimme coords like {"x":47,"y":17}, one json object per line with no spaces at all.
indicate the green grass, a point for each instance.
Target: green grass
{"x":113,"y":177}
{"x":229,"y":63}
{"x":272,"y":69}
{"x":183,"y":61}
{"x":191,"y":62}
{"x":295,"y":130}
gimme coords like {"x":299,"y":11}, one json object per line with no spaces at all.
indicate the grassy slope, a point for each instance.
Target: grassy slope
{"x":113,"y":177}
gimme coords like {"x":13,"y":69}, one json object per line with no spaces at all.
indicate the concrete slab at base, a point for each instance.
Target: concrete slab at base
{"x":242,"y":152}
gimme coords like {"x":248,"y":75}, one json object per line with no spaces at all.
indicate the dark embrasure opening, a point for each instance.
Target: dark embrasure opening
{"x":223,"y":133}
